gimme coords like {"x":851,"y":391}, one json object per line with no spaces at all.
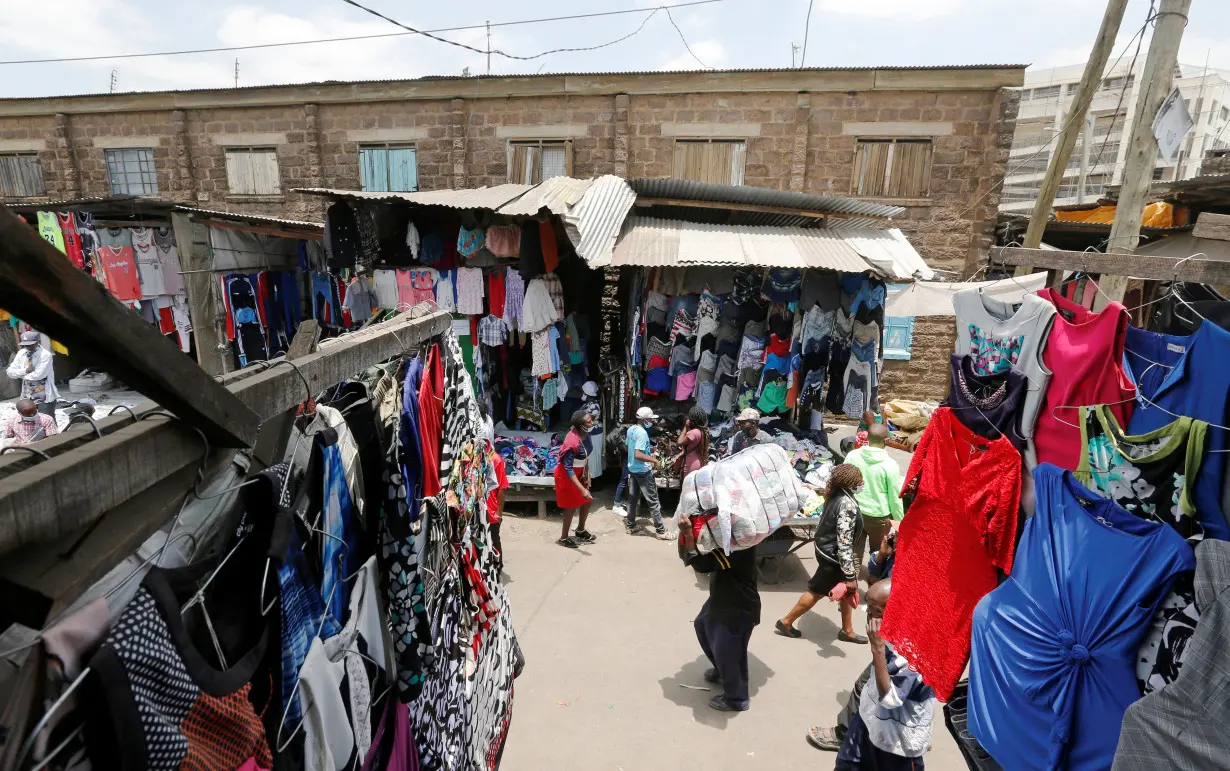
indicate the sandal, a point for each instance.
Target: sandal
{"x":857,"y":639}
{"x":786,"y":631}
{"x":568,"y":542}
{"x":823,"y":738}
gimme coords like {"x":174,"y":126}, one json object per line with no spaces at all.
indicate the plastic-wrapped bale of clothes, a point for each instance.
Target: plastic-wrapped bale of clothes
{"x":753,"y":491}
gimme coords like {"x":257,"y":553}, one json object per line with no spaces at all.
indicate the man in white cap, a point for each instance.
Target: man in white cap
{"x":749,"y":432}
{"x":640,"y":473}
{"x":32,"y":366}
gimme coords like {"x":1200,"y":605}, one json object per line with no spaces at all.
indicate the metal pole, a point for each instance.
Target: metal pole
{"x":489,"y":46}
{"x":1086,"y":142}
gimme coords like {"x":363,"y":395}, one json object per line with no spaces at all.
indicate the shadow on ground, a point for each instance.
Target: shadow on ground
{"x":693,"y":674}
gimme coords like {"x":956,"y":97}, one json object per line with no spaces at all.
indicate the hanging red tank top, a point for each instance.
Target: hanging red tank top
{"x":1084,"y":353}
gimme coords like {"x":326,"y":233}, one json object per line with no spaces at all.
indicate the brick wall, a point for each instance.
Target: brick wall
{"x":797,"y":127}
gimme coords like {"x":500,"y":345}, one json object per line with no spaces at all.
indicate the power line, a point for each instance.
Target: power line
{"x":1127,"y":80}
{"x":220,"y":49}
{"x":806,"y":31}
{"x":681,"y":37}
{"x":652,"y":12}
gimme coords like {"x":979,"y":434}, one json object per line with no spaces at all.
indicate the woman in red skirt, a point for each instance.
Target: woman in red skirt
{"x":572,"y":479}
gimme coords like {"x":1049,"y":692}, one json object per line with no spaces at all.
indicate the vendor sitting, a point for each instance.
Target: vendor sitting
{"x":749,"y":432}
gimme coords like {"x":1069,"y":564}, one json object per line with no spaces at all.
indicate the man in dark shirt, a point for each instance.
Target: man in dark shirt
{"x":727,"y":619}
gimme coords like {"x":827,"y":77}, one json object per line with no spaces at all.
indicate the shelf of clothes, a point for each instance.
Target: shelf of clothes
{"x":1069,"y":495}
{"x":138,"y":265}
{"x":341,"y":609}
{"x":774,"y":339}
{"x":526,"y":295}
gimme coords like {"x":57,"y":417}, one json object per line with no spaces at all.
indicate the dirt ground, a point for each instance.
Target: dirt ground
{"x":607,"y":634}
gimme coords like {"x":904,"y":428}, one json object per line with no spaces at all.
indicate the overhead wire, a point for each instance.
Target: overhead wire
{"x":681,"y":37}
{"x":1127,"y":79}
{"x":806,"y":33}
{"x":406,"y":33}
{"x":651,"y":13}
{"x":1071,"y":118}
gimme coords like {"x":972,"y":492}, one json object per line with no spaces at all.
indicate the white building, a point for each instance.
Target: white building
{"x":1046,"y":101}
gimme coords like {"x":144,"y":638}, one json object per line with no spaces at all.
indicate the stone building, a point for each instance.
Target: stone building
{"x":932,"y":139}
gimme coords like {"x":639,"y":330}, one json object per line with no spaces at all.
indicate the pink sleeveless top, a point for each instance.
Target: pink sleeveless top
{"x":1084,"y":353}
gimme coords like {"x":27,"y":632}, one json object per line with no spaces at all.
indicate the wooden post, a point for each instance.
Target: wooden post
{"x":1074,"y":123}
{"x":42,"y":287}
{"x":1156,"y":81}
{"x":192,"y":245}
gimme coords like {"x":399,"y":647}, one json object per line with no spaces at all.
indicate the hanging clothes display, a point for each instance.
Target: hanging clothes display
{"x":989,"y":405}
{"x":241,"y":303}
{"x":1001,"y":336}
{"x":1084,"y":356}
{"x":959,"y":530}
{"x":1087,"y":579}
{"x":72,"y":240}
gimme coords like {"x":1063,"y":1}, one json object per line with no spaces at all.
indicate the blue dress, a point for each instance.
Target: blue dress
{"x":1053,"y":654}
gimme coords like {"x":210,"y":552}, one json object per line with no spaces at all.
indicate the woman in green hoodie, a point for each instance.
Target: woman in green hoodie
{"x":880,"y":498}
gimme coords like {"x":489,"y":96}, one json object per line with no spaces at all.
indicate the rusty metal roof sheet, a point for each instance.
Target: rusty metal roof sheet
{"x":253,"y":218}
{"x":489,"y":198}
{"x":681,"y":190}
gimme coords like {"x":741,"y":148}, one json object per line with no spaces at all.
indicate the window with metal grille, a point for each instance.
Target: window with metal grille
{"x":131,"y":172}
{"x":386,"y":168}
{"x":252,"y":171}
{"x":21,"y":175}
{"x":892,"y":168}
{"x":530,"y":161}
{"x":710,"y":160}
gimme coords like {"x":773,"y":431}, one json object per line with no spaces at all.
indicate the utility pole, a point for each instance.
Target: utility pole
{"x":1156,"y":81}
{"x":114,"y":78}
{"x":794,"y":49}
{"x":488,"y":46}
{"x":1086,"y":142}
{"x":236,"y":72}
{"x":1091,"y":80}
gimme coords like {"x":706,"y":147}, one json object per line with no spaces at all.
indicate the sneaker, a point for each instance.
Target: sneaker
{"x":630,"y":528}
{"x":620,"y":510}
{"x":662,"y":535}
{"x":584,"y":536}
{"x":567,"y":542}
{"x":721,"y":704}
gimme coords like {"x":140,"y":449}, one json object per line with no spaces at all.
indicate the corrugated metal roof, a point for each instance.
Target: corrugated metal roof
{"x":889,"y":252}
{"x":556,"y":195}
{"x":543,"y":75}
{"x":593,"y":225}
{"x":253,"y":218}
{"x":489,"y":198}
{"x":687,"y":190}
{"x":646,"y":241}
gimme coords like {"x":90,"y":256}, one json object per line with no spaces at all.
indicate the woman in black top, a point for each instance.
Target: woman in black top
{"x":836,"y":533}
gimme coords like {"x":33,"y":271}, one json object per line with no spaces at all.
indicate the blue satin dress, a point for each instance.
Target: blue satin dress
{"x":1052,"y":666}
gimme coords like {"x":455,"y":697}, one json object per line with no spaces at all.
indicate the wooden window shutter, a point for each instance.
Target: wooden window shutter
{"x":568,"y":158}
{"x":21,"y":175}
{"x":518,"y":163}
{"x":373,"y":166}
{"x":239,"y":172}
{"x":871,"y":167}
{"x":265,"y":179}
{"x":910,"y":170}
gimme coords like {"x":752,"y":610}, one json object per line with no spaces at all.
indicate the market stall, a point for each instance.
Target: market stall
{"x":1088,"y":454}
{"x":734,"y":298}
{"x":511,"y":264}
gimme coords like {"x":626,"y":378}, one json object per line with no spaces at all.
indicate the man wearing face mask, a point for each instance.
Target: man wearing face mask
{"x":32,"y":365}
{"x":29,"y":425}
{"x":880,"y":499}
{"x":640,"y":474}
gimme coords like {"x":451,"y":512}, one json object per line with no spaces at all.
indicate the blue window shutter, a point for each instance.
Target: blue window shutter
{"x":898,"y":337}
{"x":374,"y":169}
{"x":403,"y":170}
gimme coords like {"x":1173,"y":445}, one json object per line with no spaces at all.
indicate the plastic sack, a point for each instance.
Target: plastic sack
{"x":753,"y":491}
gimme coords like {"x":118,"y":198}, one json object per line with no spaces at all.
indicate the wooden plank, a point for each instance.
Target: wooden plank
{"x":642,"y":201}
{"x":1150,"y":266}
{"x":192,"y":243}
{"x":275,"y":432}
{"x":42,"y":287}
{"x":1210,"y":225}
{"x":56,"y":498}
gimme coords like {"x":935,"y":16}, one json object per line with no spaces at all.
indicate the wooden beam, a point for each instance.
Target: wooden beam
{"x":58,"y":497}
{"x":641,"y":201}
{"x":41,"y":286}
{"x":192,"y":244}
{"x":275,"y":432}
{"x":1210,"y":225}
{"x":1146,"y":266}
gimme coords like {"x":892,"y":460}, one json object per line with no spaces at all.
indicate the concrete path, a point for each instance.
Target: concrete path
{"x":607,"y":634}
